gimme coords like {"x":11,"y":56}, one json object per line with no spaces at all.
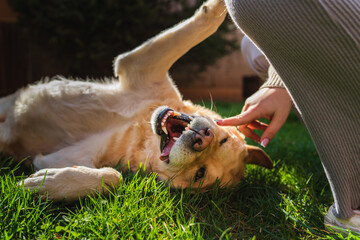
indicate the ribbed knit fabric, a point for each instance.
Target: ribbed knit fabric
{"x":274,"y":79}
{"x":314,"y":45}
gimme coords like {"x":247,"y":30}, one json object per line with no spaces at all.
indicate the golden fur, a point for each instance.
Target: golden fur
{"x":64,"y":123}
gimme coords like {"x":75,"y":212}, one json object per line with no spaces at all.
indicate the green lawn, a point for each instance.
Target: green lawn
{"x":287,"y":202}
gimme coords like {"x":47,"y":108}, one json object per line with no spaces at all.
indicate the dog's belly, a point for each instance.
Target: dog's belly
{"x":50,"y":116}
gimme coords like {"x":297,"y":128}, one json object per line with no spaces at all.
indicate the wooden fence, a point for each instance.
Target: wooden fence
{"x":21,"y":63}
{"x":14,"y":69}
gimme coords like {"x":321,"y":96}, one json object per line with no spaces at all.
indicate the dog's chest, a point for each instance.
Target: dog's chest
{"x":132,"y":146}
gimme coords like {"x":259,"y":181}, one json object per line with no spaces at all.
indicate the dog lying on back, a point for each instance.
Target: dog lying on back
{"x":76,"y":131}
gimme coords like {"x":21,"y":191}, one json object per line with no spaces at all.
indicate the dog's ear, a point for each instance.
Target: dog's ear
{"x":257,"y":156}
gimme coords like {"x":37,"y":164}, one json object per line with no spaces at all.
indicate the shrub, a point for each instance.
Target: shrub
{"x":85,"y":35}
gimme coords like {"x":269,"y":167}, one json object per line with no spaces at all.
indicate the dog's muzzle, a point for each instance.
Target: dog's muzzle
{"x":171,"y":125}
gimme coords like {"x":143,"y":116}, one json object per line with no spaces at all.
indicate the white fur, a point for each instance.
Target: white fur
{"x":70,"y":183}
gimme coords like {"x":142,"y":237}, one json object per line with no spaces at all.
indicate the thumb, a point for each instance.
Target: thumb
{"x":276,"y":123}
{"x":241,"y":119}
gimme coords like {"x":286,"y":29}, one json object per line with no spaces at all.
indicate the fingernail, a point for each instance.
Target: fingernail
{"x":218,"y":121}
{"x":265,"y":142}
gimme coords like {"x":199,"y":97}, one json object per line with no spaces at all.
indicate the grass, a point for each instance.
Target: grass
{"x":287,"y":202}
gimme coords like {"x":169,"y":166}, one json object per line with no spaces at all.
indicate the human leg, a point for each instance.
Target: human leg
{"x":318,"y":58}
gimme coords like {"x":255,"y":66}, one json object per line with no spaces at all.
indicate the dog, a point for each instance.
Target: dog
{"x":76,"y":132}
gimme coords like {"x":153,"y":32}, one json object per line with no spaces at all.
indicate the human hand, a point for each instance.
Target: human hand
{"x":271,"y":103}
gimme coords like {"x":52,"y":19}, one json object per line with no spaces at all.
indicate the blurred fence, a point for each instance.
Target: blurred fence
{"x":14,"y":70}
{"x":21,"y":63}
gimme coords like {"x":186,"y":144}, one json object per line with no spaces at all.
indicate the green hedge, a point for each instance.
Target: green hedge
{"x":86,"y":35}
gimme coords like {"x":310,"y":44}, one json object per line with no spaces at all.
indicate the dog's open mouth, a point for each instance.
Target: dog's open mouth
{"x":170,"y":125}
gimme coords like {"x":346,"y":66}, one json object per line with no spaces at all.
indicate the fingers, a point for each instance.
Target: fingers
{"x":248,"y":130}
{"x":271,"y":103}
{"x":246,"y":123}
{"x":244,"y":118}
{"x":257,"y":125}
{"x":249,"y":133}
{"x":273,"y":128}
{"x":247,"y":126}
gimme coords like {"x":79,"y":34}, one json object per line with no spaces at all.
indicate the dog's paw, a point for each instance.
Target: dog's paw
{"x":72,"y":182}
{"x":210,"y":15}
{"x":214,"y":8}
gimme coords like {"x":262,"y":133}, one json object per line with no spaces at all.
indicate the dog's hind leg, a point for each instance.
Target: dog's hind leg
{"x":152,"y":60}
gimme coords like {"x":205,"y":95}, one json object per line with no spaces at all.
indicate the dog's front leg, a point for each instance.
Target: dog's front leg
{"x":66,"y":157}
{"x":83,"y":153}
{"x":153,"y":59}
{"x":71,"y":183}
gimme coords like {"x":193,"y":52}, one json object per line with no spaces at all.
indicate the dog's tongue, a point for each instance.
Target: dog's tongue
{"x":166,"y":152}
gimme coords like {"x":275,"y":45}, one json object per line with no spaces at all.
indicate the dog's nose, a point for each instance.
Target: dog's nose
{"x":202,"y":139}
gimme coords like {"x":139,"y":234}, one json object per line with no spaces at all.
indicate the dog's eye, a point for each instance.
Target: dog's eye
{"x":200,"y":174}
{"x":223,"y":141}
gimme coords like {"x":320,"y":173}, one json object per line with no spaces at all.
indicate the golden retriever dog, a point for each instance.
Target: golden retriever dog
{"x":77,"y":131}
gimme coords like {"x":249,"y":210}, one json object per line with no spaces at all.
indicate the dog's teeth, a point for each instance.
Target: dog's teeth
{"x":175,"y":138}
{"x":164,"y":129}
{"x":176,"y":114}
{"x":167,"y":115}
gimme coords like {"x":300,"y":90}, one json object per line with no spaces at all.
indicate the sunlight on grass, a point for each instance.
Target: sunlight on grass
{"x":287,"y":202}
